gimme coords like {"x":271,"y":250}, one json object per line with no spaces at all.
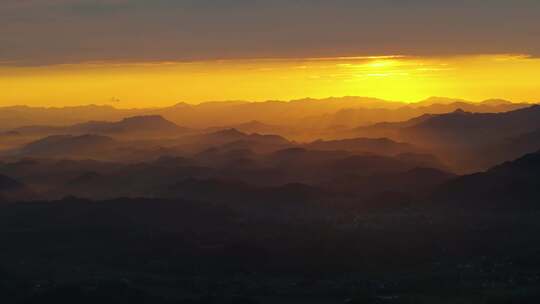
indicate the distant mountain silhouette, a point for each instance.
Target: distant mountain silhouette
{"x":507,"y":148}
{"x":13,"y":190}
{"x":97,"y":179}
{"x":139,"y":137}
{"x":468,"y":141}
{"x":496,"y":102}
{"x":424,"y":160}
{"x":8,"y":134}
{"x":465,"y":128}
{"x":437,"y":100}
{"x":151,"y":125}
{"x":413,"y":181}
{"x":359,"y":165}
{"x":239,"y":195}
{"x":391,"y":130}
{"x":305,"y":114}
{"x":459,"y":124}
{"x":511,"y":185}
{"x":253,"y":126}
{"x":382,"y":146}
{"x":11,"y":139}
{"x":274,"y":167}
{"x":19,"y":116}
{"x":363,"y":117}
{"x":232,"y":139}
{"x":393,"y":190}
{"x":9,"y":184}
{"x":315,"y":167}
{"x":229,"y":135}
{"x":59,"y":146}
{"x":134,"y":148}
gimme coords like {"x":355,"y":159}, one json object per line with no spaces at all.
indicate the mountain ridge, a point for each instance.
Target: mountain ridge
{"x":230,"y":113}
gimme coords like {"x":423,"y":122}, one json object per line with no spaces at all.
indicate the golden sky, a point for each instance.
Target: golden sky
{"x":401,"y":78}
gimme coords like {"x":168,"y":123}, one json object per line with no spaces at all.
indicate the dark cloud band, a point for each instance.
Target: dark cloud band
{"x":59,"y":31}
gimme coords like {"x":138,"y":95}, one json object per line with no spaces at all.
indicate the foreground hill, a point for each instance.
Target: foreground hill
{"x":178,"y":251}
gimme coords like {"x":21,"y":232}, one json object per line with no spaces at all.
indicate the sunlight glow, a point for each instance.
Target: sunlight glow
{"x":400,"y":78}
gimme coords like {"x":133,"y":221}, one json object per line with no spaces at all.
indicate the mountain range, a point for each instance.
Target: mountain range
{"x":512,"y":185}
{"x":302,"y":114}
{"x":304,"y":199}
{"x":468,"y":141}
{"x":150,"y":125}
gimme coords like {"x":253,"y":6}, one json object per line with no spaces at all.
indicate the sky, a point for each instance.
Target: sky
{"x":157,"y":52}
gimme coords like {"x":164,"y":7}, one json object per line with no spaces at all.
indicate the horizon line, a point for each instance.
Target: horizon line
{"x":194,"y":104}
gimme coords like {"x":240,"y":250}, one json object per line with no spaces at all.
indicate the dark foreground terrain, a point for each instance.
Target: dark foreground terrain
{"x":174,"y":251}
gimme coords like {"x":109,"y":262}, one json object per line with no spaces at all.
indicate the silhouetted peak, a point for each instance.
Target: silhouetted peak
{"x":291,"y":151}
{"x":459,"y":111}
{"x":254,"y":123}
{"x":496,"y":102}
{"x":85,"y":178}
{"x":172,"y":160}
{"x":529,"y":162}
{"x":439,"y":100}
{"x":427,"y":172}
{"x":298,"y":187}
{"x":57,"y":144}
{"x":352,"y":142}
{"x":89,"y":137}
{"x":269,"y":137}
{"x":7,"y":183}
{"x":252,"y":126}
{"x":146,"y":119}
{"x":12,"y":133}
{"x":228,"y":133}
{"x":181,"y":105}
{"x":84,"y":137}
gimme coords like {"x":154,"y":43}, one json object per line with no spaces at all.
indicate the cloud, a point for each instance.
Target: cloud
{"x":59,"y":31}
